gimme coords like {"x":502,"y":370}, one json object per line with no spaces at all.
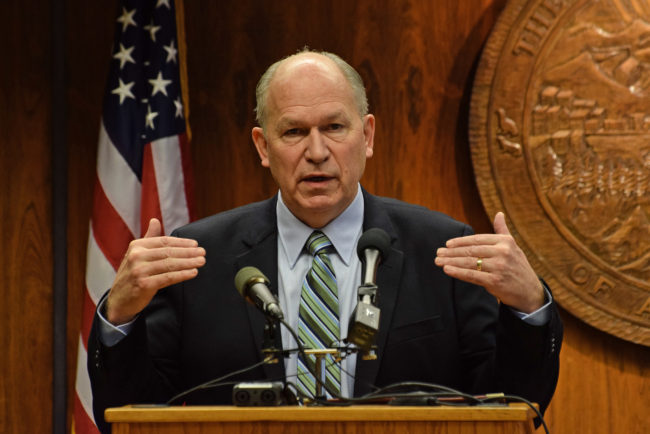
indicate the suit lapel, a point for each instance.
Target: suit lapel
{"x":388,"y":283}
{"x":262,"y":245}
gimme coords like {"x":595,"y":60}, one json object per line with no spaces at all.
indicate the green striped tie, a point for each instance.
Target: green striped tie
{"x":318,"y":323}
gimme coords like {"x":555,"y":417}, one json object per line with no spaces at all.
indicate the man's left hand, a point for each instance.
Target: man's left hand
{"x":495,"y":262}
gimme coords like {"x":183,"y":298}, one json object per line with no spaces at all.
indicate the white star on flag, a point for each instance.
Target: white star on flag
{"x":179,"y":107}
{"x":159,"y":84}
{"x":152,"y":30}
{"x":163,"y":3}
{"x":150,"y":117}
{"x":124,"y":55}
{"x":127,"y":19}
{"x":124,"y":90}
{"x":171,"y":51}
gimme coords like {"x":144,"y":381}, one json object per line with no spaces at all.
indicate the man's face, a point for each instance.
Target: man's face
{"x":315,"y":142}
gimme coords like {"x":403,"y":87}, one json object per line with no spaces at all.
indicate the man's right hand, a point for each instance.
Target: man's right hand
{"x":150,"y":264}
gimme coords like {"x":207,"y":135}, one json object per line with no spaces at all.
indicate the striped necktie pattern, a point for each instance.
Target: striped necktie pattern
{"x":318,"y":323}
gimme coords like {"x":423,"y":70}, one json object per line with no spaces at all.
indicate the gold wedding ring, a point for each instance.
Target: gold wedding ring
{"x":479,"y":264}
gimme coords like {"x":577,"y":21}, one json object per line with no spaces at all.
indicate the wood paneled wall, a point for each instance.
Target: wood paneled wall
{"x":417,"y":58}
{"x":25,"y":218}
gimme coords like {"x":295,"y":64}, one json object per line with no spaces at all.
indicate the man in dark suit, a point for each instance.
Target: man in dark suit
{"x":165,"y":326}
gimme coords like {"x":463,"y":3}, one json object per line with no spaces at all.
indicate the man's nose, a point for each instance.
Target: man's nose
{"x":317,"y":149}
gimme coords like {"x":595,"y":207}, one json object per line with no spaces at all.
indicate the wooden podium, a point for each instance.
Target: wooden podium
{"x":361,"y":419}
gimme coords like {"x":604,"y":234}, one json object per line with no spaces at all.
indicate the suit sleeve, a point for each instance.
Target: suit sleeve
{"x":528,"y":356}
{"x":501,"y":352}
{"x":141,"y":368}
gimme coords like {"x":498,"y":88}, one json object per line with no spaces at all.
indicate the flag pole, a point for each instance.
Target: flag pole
{"x":182,"y":60}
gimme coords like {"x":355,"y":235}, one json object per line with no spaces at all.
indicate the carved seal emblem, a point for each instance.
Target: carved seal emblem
{"x":560,"y":141}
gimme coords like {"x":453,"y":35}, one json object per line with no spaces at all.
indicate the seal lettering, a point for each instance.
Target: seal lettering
{"x":645,"y":308}
{"x":602,"y":284}
{"x":537,"y":26}
{"x":580,"y":274}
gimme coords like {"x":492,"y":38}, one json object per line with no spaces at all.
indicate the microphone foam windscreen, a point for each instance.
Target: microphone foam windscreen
{"x":374,"y":238}
{"x":244,"y":277}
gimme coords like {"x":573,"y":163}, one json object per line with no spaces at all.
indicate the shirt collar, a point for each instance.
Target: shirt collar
{"x":343,"y":231}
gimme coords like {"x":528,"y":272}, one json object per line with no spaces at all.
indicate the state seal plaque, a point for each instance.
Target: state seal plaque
{"x":560,"y":141}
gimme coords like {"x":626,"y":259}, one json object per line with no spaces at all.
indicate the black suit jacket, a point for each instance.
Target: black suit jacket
{"x":433,"y":328}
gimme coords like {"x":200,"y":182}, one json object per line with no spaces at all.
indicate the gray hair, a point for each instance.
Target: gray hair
{"x":350,"y":74}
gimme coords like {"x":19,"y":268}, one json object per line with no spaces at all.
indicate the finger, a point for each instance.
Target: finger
{"x":471,"y":251}
{"x":468,"y":263}
{"x":500,"y":226}
{"x":167,"y":265}
{"x":156,"y":254}
{"x":154,"y":229}
{"x":474,"y":240}
{"x":163,"y":241}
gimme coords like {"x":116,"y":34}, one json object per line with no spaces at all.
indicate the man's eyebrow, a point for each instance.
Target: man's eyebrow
{"x":286,"y":123}
{"x":338,"y":115}
{"x":290,"y":122}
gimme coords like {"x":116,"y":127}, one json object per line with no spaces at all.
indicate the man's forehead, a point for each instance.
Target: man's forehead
{"x":306,"y":62}
{"x":310,"y":88}
{"x":306,"y":84}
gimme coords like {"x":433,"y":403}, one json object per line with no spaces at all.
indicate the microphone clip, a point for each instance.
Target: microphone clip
{"x":367,"y":293}
{"x":364,"y":322}
{"x":269,"y":347}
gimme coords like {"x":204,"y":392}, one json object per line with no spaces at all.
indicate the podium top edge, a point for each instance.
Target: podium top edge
{"x":157,"y":413}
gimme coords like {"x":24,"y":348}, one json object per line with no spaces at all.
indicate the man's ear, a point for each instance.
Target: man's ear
{"x":369,"y":134}
{"x":261,"y":145}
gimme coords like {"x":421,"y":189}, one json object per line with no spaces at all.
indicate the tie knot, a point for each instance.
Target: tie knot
{"x":318,"y":242}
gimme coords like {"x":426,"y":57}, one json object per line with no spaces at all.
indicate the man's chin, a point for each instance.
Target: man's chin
{"x":319,"y":203}
{"x":317,"y":210}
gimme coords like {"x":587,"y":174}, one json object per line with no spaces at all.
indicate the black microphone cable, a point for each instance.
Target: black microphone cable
{"x":216,"y":382}
{"x":445,"y":392}
{"x":381,"y":394}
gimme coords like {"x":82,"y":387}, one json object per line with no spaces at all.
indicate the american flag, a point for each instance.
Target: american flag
{"x":143,"y":160}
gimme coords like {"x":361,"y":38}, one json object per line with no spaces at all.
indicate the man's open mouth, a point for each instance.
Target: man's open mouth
{"x":317,"y":178}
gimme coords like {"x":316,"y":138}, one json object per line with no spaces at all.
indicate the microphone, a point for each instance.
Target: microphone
{"x":252,"y":284}
{"x":372,"y":248}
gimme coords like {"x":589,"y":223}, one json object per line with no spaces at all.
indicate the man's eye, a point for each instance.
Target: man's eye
{"x":291,"y":132}
{"x":335,"y":127}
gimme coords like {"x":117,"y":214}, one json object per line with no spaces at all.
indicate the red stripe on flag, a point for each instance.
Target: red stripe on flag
{"x":111,"y":233}
{"x":87,"y":317}
{"x":149,"y":200}
{"x":186,"y":158}
{"x":82,"y":423}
